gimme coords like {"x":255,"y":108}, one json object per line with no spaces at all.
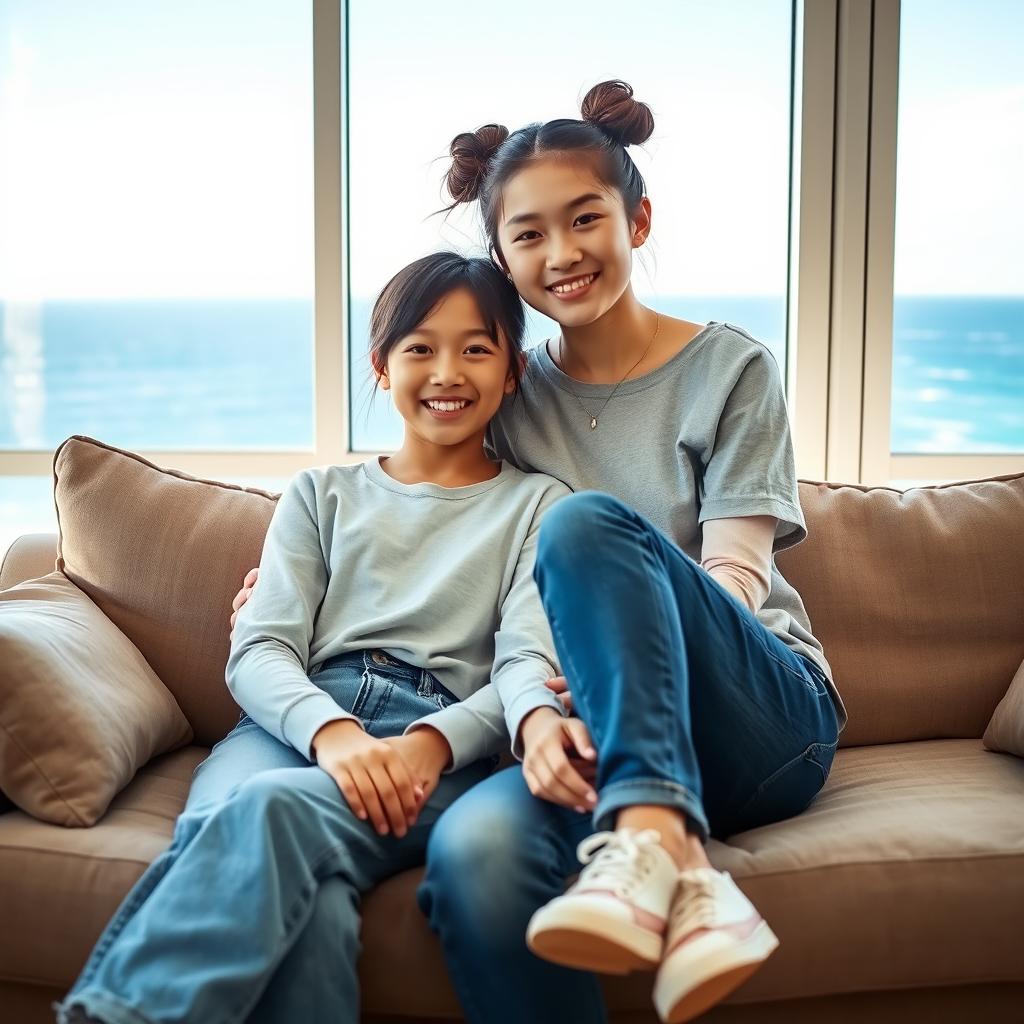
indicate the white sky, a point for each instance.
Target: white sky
{"x":166,"y":149}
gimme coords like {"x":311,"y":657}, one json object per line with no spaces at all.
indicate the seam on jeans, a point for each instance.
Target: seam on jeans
{"x":826,"y":771}
{"x":107,"y":1002}
{"x":653,"y":783}
{"x":780,"y":772}
{"x":243,"y":1009}
{"x":812,"y":686}
{"x":128,"y":909}
{"x":694,"y":806}
{"x":363,"y":695}
{"x":671,"y":751}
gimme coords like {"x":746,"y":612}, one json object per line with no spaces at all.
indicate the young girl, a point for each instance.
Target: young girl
{"x":690,"y":658}
{"x":396,"y":614}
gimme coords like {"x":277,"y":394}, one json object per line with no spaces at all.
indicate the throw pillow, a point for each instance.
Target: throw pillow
{"x":80,"y":709}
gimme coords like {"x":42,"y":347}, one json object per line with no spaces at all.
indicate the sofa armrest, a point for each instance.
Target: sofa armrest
{"x":30,"y":556}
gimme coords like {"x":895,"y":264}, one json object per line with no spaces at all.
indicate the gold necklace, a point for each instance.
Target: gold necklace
{"x":600,"y":412}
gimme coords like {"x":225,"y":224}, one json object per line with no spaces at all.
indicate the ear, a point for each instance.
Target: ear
{"x":510,"y":380}
{"x":642,"y":223}
{"x":383,"y":381}
{"x":499,"y":262}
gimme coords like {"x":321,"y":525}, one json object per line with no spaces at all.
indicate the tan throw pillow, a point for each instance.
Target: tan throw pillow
{"x":162,"y":554}
{"x":80,"y":709}
{"x":1005,"y":731}
{"x":916,"y":598}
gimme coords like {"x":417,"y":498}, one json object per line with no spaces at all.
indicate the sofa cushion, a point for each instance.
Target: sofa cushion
{"x":1005,"y":732}
{"x":162,"y":554}
{"x":59,"y":887}
{"x":906,"y":871}
{"x":917,"y":600}
{"x":80,"y":710}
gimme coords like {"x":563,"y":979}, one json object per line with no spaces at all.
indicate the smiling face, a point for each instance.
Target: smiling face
{"x":447,"y":377}
{"x":567,"y":240}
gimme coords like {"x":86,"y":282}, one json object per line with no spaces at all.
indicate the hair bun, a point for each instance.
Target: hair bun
{"x":611,"y":107}
{"x":470,"y":153}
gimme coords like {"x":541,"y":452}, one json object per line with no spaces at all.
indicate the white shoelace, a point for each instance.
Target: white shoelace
{"x":695,"y":905}
{"x":616,"y":860}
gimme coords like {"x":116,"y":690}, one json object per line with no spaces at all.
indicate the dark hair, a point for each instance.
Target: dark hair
{"x":484,"y":160}
{"x":417,"y":290}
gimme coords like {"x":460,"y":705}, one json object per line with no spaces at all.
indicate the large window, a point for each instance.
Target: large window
{"x":716,"y":75}
{"x":958,"y":326}
{"x":841,"y":179}
{"x":156,"y":225}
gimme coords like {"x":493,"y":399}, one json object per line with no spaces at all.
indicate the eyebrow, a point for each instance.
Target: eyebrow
{"x":475,"y":332}
{"x":589,"y":197}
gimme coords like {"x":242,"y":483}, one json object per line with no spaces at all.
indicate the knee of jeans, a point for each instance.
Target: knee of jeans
{"x":468,"y":846}
{"x":267,"y":796}
{"x":573,"y":524}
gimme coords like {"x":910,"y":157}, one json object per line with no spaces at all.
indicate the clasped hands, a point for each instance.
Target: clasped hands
{"x":388,"y":781}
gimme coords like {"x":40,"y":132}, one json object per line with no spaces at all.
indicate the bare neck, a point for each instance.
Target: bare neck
{"x":604,"y":351}
{"x":420,"y":461}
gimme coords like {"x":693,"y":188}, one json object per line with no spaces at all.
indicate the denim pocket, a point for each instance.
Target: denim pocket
{"x":788,"y":790}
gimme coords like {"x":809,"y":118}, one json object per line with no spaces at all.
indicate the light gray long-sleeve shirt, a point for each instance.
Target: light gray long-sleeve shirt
{"x":440,"y":577}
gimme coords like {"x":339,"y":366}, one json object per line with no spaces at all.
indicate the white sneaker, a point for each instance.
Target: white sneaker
{"x":613,"y":918}
{"x":716,"y":940}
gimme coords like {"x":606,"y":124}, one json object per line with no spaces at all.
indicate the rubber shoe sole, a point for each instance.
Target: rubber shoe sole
{"x":582,"y":938}
{"x":704,"y":982}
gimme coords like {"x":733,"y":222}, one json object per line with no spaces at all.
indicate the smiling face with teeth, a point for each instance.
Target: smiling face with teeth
{"x":566,"y":239}
{"x":448,"y":376}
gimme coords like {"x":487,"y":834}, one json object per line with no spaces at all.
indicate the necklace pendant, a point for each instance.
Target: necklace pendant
{"x":593,"y":423}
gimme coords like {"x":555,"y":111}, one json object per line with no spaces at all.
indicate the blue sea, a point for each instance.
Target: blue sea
{"x":239,"y":375}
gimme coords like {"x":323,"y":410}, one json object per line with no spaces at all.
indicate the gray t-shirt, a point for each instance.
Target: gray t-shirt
{"x":440,"y":577}
{"x":704,"y":436}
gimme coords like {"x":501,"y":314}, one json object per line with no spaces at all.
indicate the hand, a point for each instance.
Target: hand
{"x":242,"y":596}
{"x":426,"y":754}
{"x":554,"y":746}
{"x":371,"y":775}
{"x":560,"y":687}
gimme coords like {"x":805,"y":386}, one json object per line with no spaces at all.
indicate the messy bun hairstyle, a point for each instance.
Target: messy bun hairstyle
{"x":610,"y":120}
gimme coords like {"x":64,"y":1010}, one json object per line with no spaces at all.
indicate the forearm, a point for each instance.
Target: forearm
{"x":473,"y":728}
{"x":736,"y":585}
{"x":737,"y":553}
{"x":274,"y":690}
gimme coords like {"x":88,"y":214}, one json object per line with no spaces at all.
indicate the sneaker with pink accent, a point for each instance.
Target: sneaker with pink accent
{"x":716,"y":940}
{"x":613,"y":918}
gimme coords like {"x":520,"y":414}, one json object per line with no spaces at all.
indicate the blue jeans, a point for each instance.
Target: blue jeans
{"x":252,"y":912}
{"x":691,"y":703}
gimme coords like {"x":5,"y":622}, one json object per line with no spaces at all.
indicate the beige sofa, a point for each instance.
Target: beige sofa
{"x":899,"y":895}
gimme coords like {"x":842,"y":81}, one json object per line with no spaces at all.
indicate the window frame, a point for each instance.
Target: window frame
{"x":845,"y":61}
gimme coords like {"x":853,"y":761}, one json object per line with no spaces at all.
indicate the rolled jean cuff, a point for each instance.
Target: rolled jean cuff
{"x":617,"y":795}
{"x":99,"y":1004}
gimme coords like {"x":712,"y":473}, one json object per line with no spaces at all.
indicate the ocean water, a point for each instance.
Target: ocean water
{"x":239,"y":374}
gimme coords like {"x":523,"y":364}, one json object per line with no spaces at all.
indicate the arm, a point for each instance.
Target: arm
{"x":471,"y":729}
{"x":524,"y":650}
{"x":266,"y":670}
{"x":749,"y":470}
{"x":737,"y":553}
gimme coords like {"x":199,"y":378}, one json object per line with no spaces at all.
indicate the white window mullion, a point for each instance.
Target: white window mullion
{"x":876,"y":425}
{"x":330,"y":376}
{"x":849,"y":211}
{"x":811,"y":232}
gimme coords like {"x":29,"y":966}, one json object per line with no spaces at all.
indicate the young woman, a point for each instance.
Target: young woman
{"x":690,"y":659}
{"x":396,"y":615}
